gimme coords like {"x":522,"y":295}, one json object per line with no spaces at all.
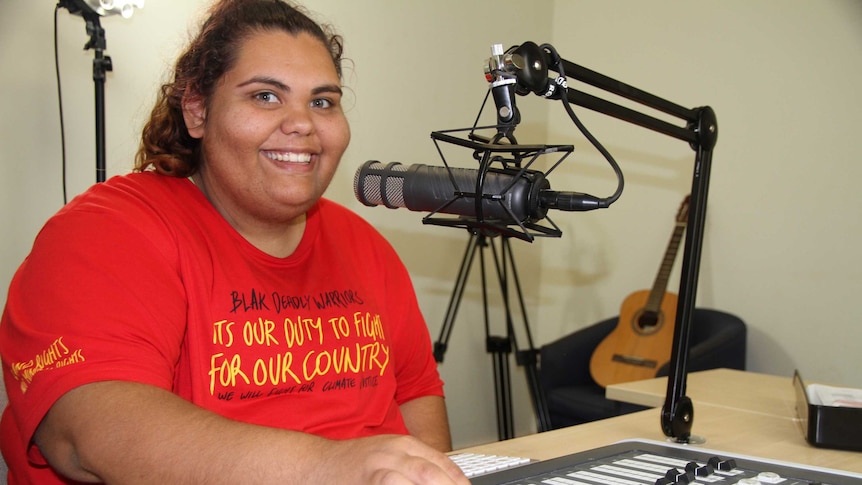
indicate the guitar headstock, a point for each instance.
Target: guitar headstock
{"x":682,"y":214}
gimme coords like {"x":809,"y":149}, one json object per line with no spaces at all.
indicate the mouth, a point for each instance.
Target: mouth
{"x":289,"y":157}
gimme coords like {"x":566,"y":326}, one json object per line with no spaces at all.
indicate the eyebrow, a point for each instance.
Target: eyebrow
{"x":326,"y":88}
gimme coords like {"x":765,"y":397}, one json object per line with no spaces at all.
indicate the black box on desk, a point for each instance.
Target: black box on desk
{"x":825,"y":426}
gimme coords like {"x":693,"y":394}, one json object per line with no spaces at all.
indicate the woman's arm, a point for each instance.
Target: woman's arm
{"x":426,"y":419}
{"x":122,"y":432}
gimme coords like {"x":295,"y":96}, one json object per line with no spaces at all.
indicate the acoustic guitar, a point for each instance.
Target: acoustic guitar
{"x":643,"y":337}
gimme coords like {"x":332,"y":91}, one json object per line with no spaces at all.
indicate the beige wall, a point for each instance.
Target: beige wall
{"x":783,"y":224}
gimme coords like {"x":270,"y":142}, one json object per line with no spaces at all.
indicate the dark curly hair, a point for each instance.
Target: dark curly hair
{"x":166,"y":145}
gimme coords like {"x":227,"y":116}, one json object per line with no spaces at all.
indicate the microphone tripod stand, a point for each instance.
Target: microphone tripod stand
{"x":499,"y":346}
{"x":482,"y":233}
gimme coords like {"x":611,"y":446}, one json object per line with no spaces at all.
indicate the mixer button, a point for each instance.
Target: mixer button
{"x":769,"y":477}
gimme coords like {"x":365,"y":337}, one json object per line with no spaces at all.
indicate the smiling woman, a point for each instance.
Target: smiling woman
{"x":272,"y":134}
{"x":167,"y":372}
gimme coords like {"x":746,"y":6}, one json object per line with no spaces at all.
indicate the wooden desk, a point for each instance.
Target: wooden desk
{"x":733,"y":429}
{"x":735,"y":389}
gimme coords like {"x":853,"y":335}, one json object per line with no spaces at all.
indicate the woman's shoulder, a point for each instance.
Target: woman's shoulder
{"x":146,"y":206}
{"x":134,"y":195}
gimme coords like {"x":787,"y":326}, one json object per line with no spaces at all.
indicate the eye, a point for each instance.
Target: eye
{"x":266,"y":97}
{"x":322,"y":103}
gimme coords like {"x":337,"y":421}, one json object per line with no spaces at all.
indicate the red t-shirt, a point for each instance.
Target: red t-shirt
{"x":140,"y":279}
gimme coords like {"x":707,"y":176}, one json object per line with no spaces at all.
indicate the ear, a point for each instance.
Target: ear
{"x":194,"y":115}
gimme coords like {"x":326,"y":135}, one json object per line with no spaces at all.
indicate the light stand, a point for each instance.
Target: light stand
{"x":90,"y":11}
{"x":101,"y":65}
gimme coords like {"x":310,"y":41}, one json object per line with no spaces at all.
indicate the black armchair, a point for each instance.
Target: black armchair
{"x":717,"y":340}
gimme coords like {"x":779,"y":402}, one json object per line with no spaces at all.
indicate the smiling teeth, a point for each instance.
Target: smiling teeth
{"x":290,"y":157}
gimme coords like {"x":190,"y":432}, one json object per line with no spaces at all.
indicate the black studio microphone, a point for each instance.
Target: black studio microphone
{"x":508,"y":195}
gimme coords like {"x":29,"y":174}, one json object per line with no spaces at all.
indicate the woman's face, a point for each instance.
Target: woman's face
{"x":273,"y":132}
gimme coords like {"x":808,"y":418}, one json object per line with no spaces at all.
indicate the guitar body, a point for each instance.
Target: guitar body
{"x":639,"y":345}
{"x":643,"y":337}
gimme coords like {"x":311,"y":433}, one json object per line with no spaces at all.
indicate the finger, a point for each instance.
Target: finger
{"x":434,"y":469}
{"x":454,"y":471}
{"x":389,"y":477}
{"x":439,"y":460}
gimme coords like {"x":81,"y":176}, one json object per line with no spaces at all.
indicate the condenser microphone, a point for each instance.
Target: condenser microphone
{"x":508,"y":196}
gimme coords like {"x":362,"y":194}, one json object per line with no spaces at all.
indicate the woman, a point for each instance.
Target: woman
{"x":212,"y":319}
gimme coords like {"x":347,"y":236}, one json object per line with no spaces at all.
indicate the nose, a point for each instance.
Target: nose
{"x":298,"y":120}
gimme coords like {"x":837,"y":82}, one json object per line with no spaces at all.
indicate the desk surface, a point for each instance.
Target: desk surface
{"x":735,"y":389}
{"x":733,"y":429}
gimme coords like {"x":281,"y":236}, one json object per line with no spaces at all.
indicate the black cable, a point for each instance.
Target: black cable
{"x":593,"y":140}
{"x":60,"y":101}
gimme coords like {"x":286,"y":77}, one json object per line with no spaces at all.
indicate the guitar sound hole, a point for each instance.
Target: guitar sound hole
{"x":647,"y":322}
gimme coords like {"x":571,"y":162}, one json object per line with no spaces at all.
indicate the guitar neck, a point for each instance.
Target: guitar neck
{"x":659,"y":287}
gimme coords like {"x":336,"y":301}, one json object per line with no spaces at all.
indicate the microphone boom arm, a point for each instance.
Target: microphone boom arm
{"x":700,"y":131}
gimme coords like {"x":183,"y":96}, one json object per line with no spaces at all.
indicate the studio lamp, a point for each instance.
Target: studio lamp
{"x":103,"y":8}
{"x":91,"y":10}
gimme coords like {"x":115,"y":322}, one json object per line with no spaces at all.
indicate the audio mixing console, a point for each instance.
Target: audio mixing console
{"x":655,"y":463}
